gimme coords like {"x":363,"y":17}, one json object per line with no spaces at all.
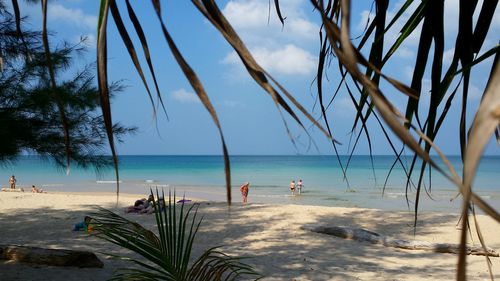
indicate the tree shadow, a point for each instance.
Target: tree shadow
{"x":281,"y":250}
{"x":269,"y":235}
{"x":52,"y":228}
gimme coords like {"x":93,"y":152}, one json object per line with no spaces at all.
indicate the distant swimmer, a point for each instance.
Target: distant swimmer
{"x":292,"y":187}
{"x":299,"y":186}
{"x":12,"y":182}
{"x":244,"y":191}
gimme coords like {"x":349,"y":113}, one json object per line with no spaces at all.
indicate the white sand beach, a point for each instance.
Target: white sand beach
{"x":270,"y":235}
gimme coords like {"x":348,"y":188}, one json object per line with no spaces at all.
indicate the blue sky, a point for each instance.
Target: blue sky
{"x":250,"y":120}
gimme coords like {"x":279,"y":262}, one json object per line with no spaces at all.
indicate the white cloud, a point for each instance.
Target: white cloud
{"x":256,"y":22}
{"x":73,"y":16}
{"x":246,"y":14}
{"x":302,"y":27}
{"x":184,"y":96}
{"x":279,"y":49}
{"x":289,"y":60}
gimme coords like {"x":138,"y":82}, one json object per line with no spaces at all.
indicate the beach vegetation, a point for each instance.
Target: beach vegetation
{"x":30,"y":116}
{"x":167,"y":252}
{"x":363,"y":80}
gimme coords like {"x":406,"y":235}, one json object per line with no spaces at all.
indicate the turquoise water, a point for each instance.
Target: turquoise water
{"x":269,"y":177}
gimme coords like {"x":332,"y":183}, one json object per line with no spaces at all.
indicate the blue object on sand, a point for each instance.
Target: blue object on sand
{"x":81,"y":226}
{"x":184,"y":201}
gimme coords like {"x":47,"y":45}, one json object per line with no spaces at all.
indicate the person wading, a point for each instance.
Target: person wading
{"x":244,"y":191}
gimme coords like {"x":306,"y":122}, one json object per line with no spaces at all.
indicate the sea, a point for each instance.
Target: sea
{"x":369,"y":182}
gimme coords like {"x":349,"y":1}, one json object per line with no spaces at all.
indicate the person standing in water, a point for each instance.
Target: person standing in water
{"x":244,"y":191}
{"x":12,"y":182}
{"x":299,"y":186}
{"x":292,"y":187}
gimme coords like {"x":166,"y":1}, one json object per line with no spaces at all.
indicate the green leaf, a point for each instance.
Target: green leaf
{"x":168,"y":257}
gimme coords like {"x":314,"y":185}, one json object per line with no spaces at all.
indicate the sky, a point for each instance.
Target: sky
{"x":250,"y":121}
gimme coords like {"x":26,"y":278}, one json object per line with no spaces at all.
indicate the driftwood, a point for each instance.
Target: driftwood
{"x":360,"y":234}
{"x":57,"y":257}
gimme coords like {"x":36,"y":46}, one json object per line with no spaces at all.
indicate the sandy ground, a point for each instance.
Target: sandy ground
{"x":270,"y":235}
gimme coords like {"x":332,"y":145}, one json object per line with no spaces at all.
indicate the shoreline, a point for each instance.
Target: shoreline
{"x":270,"y":234}
{"x":269,"y":177}
{"x":389,"y":202}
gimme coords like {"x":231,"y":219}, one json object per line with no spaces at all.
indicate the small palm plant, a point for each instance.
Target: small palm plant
{"x":167,"y":255}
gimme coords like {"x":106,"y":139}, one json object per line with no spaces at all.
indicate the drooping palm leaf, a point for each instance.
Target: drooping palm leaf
{"x":48,"y":55}
{"x":211,"y":11}
{"x":102,"y":82}
{"x":376,"y":52}
{"x":278,"y":11}
{"x":145,"y":48}
{"x":485,"y":122}
{"x":130,"y":48}
{"x":319,"y":83}
{"x":387,"y":110}
{"x":335,"y":22}
{"x":200,"y":91}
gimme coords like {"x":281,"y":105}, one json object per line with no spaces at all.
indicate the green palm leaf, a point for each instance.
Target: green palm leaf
{"x":167,"y":254}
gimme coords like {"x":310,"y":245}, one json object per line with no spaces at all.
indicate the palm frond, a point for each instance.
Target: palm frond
{"x":200,"y":91}
{"x":117,"y":19}
{"x":485,"y":122}
{"x":212,"y":12}
{"x":48,"y":55}
{"x":167,"y":254}
{"x":142,"y":37}
{"x":102,"y":81}
{"x":357,"y":72}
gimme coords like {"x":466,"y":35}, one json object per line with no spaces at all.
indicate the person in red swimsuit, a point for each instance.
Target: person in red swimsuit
{"x":244,"y":191}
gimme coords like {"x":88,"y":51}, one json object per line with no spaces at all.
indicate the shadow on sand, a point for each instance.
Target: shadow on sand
{"x":268,"y":235}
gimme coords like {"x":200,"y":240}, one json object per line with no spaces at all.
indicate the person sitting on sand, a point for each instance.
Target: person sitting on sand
{"x":34,"y":189}
{"x":142,"y":206}
{"x":244,"y":191}
{"x":12,"y":182}
{"x":160,"y":205}
{"x":292,"y":187}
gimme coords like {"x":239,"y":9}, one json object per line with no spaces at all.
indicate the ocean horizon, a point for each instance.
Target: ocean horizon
{"x":202,"y":176}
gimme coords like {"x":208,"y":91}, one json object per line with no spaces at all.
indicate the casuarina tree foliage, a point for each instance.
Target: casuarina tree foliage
{"x":30,"y":119}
